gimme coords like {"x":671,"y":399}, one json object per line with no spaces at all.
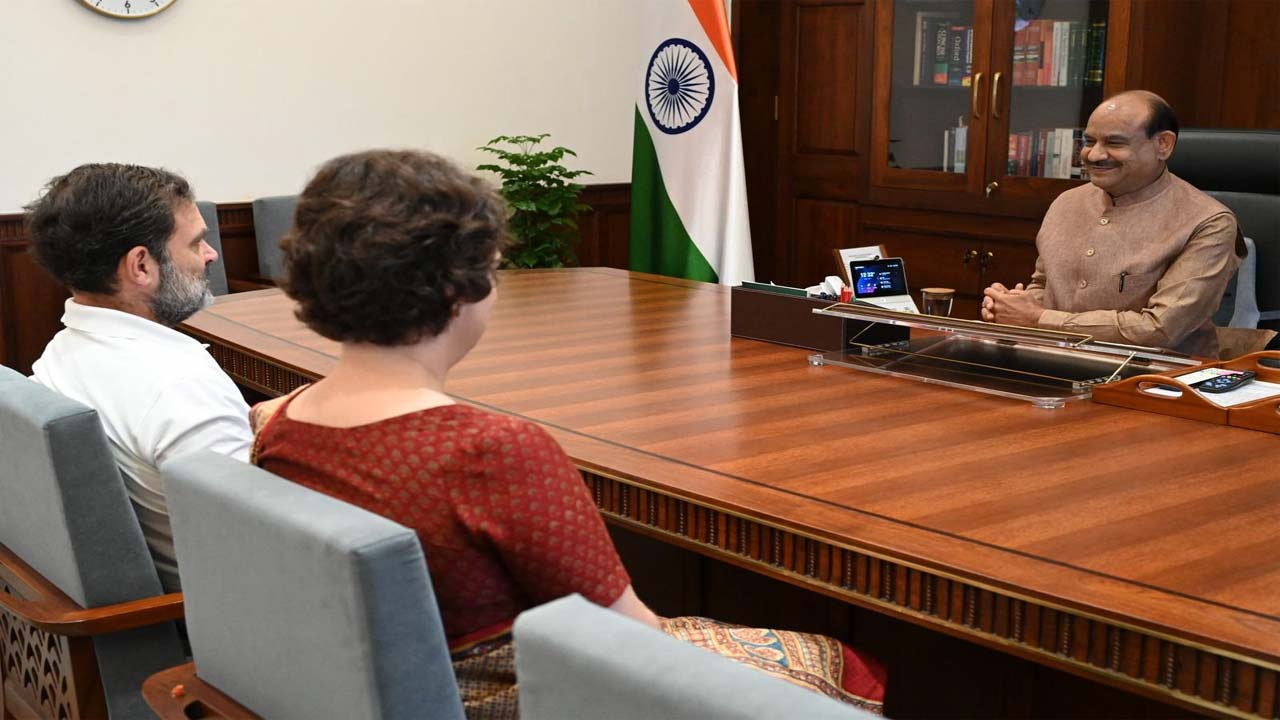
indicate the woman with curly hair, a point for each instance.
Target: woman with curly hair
{"x":393,"y":254}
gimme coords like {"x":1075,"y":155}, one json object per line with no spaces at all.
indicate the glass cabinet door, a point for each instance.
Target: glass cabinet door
{"x":1053,"y":71}
{"x":935,"y":73}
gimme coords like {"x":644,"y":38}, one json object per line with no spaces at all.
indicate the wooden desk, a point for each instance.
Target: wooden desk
{"x":1141,"y":550}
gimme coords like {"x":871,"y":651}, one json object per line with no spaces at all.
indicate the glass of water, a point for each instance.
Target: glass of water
{"x":937,"y":301}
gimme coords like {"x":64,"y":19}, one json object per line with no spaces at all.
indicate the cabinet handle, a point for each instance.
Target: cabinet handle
{"x":976,"y":100}
{"x":970,"y":255}
{"x":995,"y":95}
{"x":985,"y":259}
{"x":991,"y":187}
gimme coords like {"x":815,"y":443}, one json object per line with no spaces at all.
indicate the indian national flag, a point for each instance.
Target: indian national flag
{"x":688,"y":193}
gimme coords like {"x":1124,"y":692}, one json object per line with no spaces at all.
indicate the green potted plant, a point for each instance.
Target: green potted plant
{"x":543,"y":197}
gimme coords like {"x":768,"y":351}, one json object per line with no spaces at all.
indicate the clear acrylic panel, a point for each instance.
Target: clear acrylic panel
{"x":1059,"y":61}
{"x":929,"y":97}
{"x":1046,"y":367}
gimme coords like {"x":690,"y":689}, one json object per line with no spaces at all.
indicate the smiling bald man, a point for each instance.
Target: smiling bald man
{"x":1137,"y":256}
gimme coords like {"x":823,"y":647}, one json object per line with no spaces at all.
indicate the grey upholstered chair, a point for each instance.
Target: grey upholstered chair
{"x":575,"y":659}
{"x":1241,"y":168}
{"x":300,"y":605}
{"x":82,"y":618}
{"x":217,"y":271}
{"x":272,"y":218}
{"x":1239,"y":307}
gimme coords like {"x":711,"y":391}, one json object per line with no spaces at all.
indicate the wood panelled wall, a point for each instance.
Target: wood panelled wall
{"x":31,"y":301}
{"x":1229,"y":76}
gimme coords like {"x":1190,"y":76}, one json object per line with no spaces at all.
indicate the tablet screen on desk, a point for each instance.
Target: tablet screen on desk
{"x":878,"y":278}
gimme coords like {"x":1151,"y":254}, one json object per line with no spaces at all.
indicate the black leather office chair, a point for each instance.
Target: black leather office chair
{"x":1241,"y":168}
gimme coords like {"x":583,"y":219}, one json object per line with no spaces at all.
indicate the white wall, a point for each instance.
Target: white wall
{"x":247,"y":97}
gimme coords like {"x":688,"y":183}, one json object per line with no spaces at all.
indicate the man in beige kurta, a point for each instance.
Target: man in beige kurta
{"x":1137,"y":256}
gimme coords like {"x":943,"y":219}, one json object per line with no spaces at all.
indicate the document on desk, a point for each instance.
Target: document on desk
{"x":1256,"y":390}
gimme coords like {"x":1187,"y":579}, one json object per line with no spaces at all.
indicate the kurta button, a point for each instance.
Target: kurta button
{"x":1089,"y":252}
{"x":1084,"y":284}
{"x":1104,"y":221}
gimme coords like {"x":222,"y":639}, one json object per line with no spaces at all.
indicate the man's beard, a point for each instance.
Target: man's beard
{"x":179,"y":295}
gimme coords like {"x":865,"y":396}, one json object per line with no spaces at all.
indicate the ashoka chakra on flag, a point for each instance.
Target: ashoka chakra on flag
{"x":679,"y":86}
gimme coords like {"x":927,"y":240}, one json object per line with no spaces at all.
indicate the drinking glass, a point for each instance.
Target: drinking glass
{"x":937,"y":301}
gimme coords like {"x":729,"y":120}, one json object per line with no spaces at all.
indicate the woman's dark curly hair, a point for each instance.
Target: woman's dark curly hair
{"x":89,"y":218}
{"x":387,"y":243}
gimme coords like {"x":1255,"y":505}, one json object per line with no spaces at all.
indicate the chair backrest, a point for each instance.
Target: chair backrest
{"x":272,"y":218}
{"x":575,"y":658}
{"x":217,"y":271}
{"x":299,"y":605}
{"x":65,"y":513}
{"x":1241,"y":169}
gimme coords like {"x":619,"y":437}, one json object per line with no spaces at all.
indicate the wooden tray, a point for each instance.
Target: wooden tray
{"x":1258,"y":415}
{"x":1261,"y":414}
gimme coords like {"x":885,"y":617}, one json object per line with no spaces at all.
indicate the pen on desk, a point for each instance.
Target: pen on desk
{"x":1123,"y":275}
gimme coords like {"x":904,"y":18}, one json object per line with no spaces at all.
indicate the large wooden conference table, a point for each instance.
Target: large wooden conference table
{"x":1139,"y":549}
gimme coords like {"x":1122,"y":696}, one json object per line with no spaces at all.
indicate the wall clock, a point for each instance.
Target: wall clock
{"x":128,"y":9}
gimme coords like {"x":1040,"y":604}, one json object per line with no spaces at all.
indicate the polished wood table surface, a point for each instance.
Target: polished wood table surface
{"x":1139,"y":549}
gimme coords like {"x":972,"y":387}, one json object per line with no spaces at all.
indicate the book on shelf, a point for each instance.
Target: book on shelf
{"x":1096,"y":54}
{"x":960,"y":55}
{"x":955,"y":147}
{"x":1075,"y":56}
{"x":967,"y":79}
{"x":926,"y":29}
{"x":1044,"y":73}
{"x":1031,"y":58}
{"x":944,"y":50}
{"x":1062,"y":153}
{"x":941,"y":37}
{"x":1019,"y":55}
{"x":1059,"y":53}
{"x":1061,"y":50}
{"x":1039,"y":151}
{"x":1077,"y":165}
{"x":1046,"y":53}
{"x":1046,"y":152}
{"x":955,"y":54}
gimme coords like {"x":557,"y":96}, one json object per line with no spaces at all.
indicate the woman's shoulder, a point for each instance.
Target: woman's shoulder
{"x":486,"y":424}
{"x":493,"y":440}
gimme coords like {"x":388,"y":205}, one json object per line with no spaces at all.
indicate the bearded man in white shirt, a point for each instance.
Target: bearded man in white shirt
{"x":129,"y":244}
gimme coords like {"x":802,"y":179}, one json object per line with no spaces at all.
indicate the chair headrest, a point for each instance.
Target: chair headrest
{"x":1228,"y":160}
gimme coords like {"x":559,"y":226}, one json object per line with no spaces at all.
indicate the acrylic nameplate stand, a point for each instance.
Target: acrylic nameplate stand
{"x":1044,"y":367}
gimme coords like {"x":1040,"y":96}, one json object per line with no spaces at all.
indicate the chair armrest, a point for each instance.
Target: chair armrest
{"x":44,"y":606}
{"x":96,"y":621}
{"x":178,"y":694}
